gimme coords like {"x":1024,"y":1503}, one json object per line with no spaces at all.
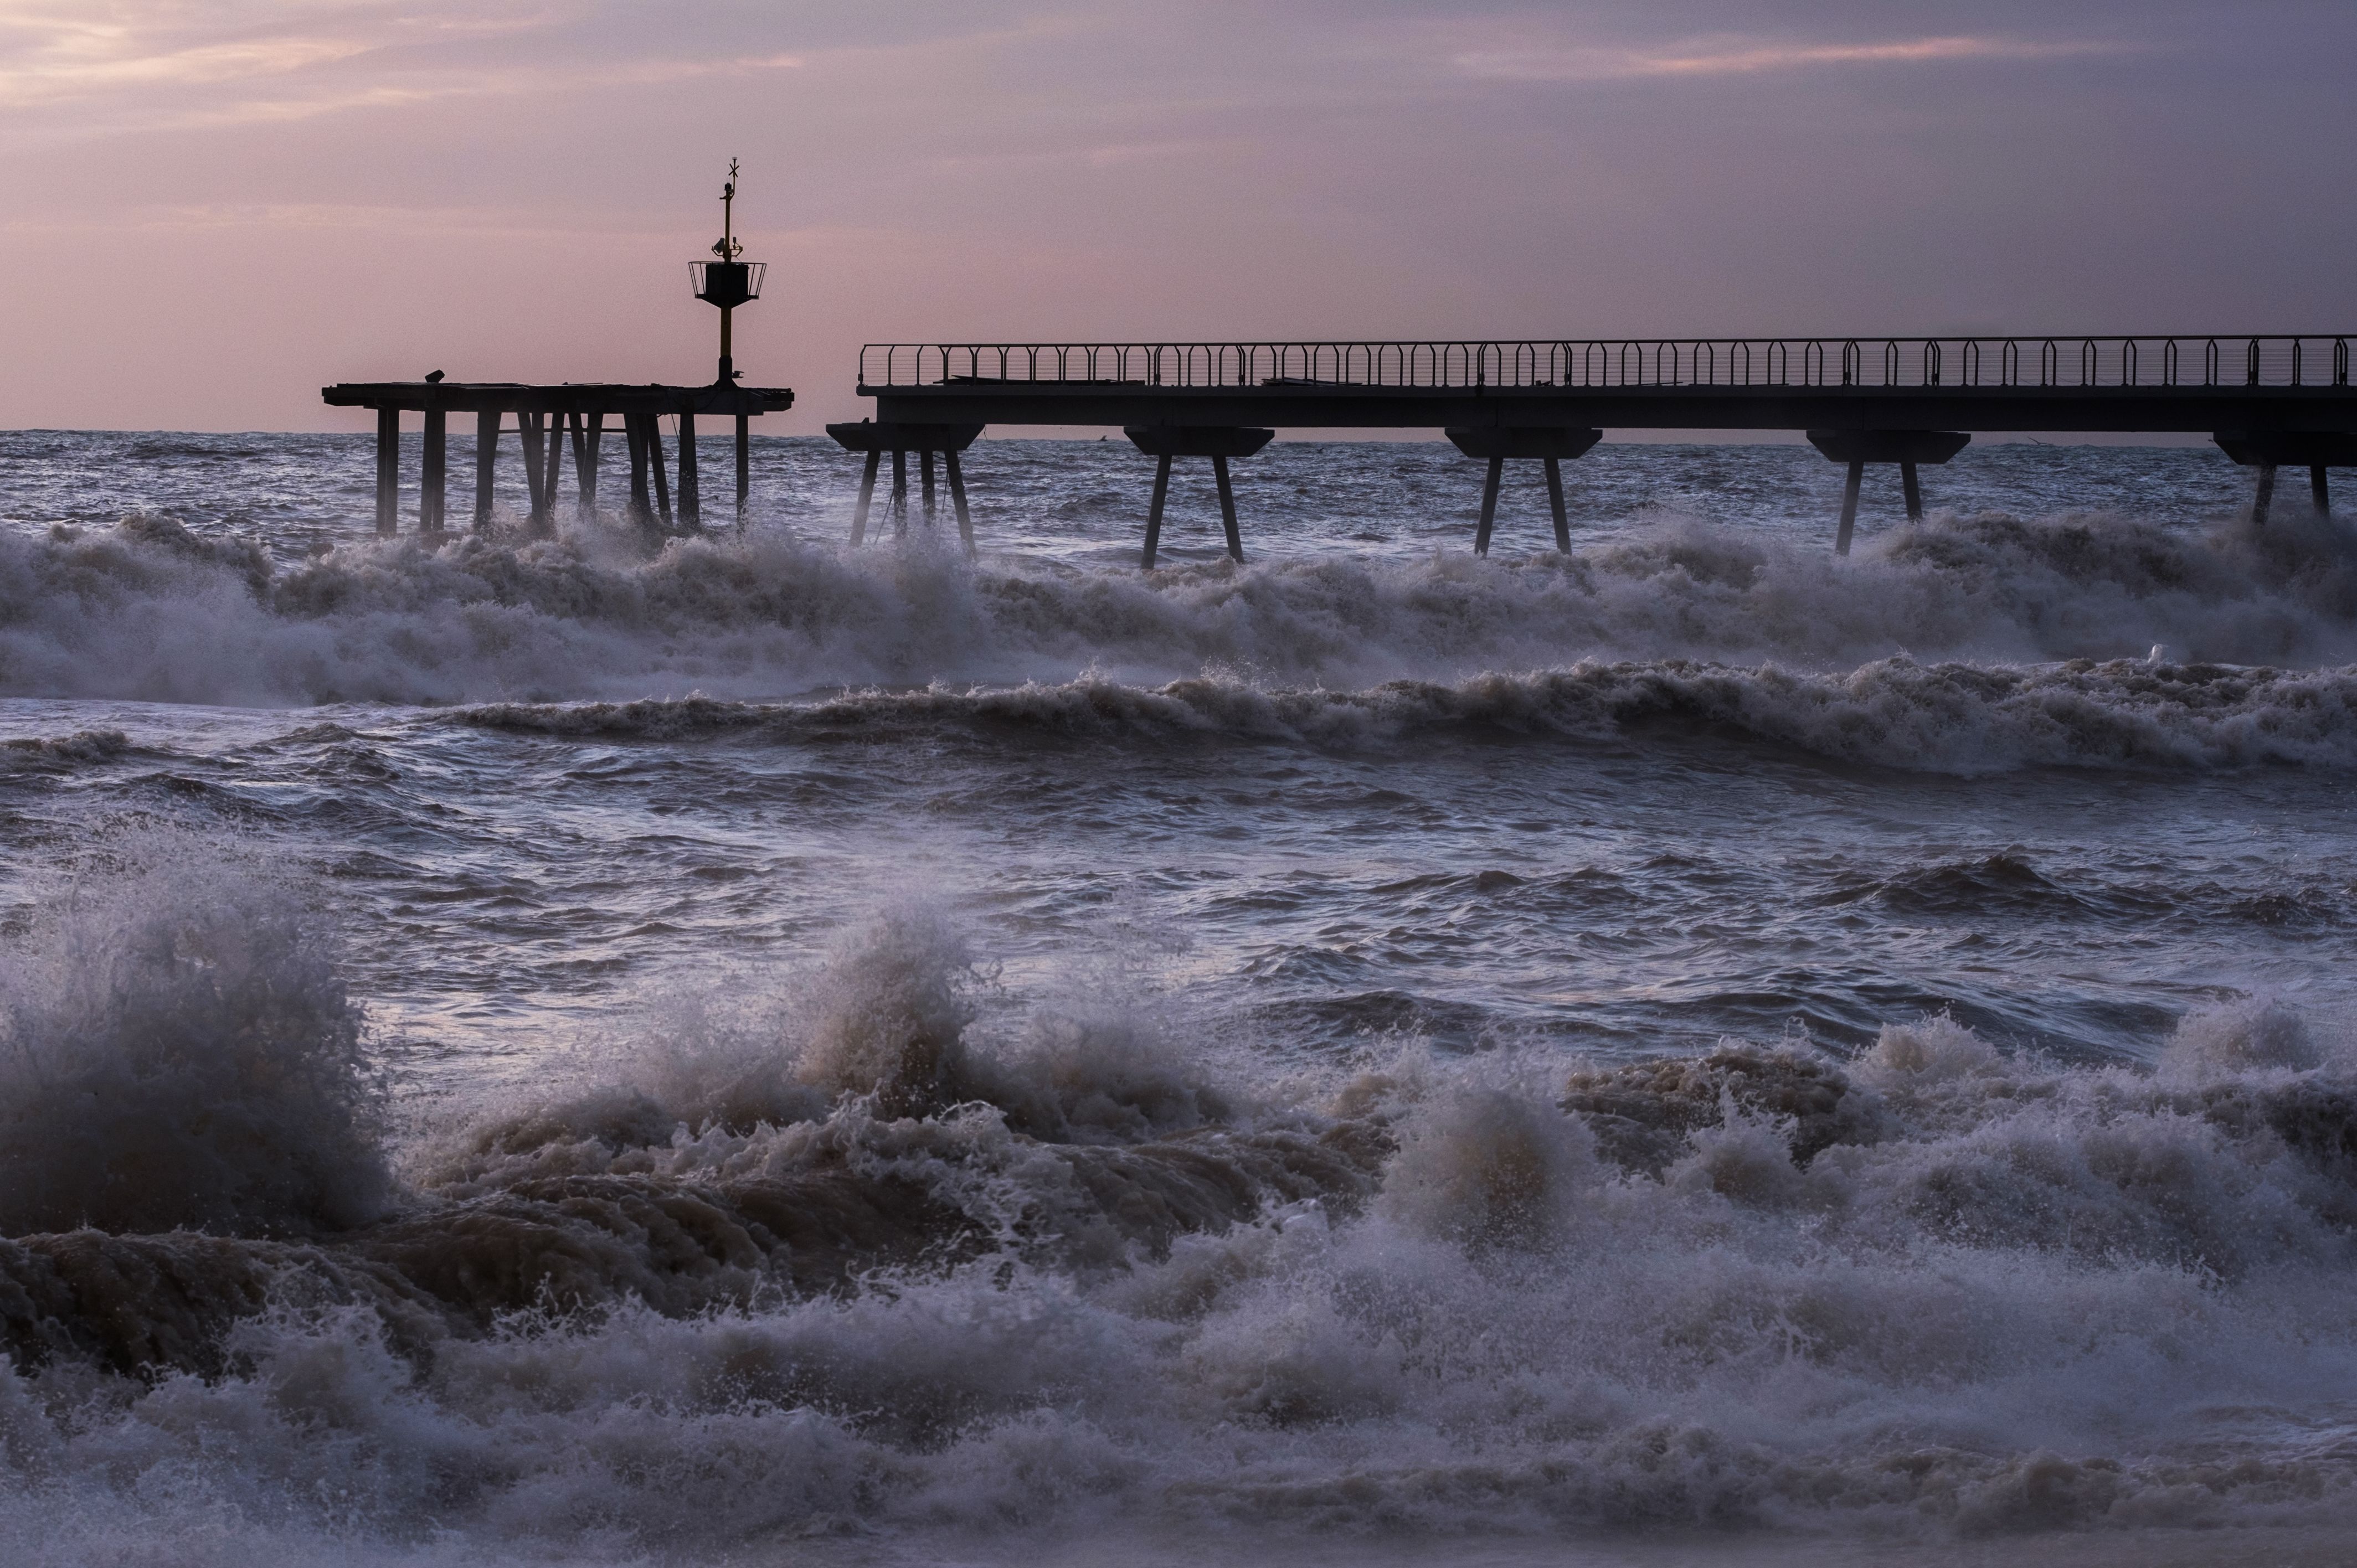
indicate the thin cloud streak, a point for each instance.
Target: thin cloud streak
{"x":50,"y":55}
{"x":66,"y":75}
{"x":291,"y":80}
{"x":1696,"y":61}
{"x":496,"y":84}
{"x":170,"y":73}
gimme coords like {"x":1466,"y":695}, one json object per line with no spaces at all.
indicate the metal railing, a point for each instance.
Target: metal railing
{"x":2257,"y":361}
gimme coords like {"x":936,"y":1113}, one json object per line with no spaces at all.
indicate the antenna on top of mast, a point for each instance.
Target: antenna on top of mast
{"x":728,"y":250}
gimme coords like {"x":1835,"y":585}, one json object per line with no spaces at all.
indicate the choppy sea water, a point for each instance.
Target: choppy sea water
{"x":1693,"y":1049}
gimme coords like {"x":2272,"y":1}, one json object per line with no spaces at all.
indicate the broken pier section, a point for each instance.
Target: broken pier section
{"x":550,"y":420}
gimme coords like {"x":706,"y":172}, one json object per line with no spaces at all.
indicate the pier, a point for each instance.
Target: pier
{"x":548,"y":419}
{"x":1908,"y":402}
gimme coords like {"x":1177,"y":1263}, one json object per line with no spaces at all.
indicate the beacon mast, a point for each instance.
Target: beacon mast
{"x":728,"y":282}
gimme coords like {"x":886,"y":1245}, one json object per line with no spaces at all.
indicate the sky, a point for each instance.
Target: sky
{"x":210,"y":207}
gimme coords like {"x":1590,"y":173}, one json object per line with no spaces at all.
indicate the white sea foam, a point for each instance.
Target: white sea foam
{"x":148,"y":610}
{"x":903,"y":1274}
{"x":177,"y":1049}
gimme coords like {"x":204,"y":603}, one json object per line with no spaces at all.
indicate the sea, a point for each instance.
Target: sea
{"x":747,"y":1049}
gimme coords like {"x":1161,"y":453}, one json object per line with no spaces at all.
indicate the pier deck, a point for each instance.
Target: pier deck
{"x":2266,"y":399}
{"x":2115,"y":384}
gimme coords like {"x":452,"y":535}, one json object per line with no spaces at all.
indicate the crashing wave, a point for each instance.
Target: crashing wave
{"x":1895,"y":712}
{"x":861,"y":1255}
{"x":149,"y":610}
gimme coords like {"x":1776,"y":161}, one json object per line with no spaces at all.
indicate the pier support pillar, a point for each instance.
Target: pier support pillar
{"x":744,"y":465}
{"x":900,"y":437}
{"x":588,"y":437}
{"x":1228,"y":508}
{"x":432,"y":488}
{"x":388,"y":471}
{"x":554,"y":442}
{"x":1908,"y":448}
{"x":957,"y":500}
{"x":691,"y":497}
{"x":487,"y":459}
{"x":1216,"y":442}
{"x":1850,"y":487}
{"x":552,"y":470}
{"x":2265,"y":450}
{"x":656,"y":470}
{"x":2263,"y":493}
{"x":1549,"y":444}
{"x":1489,"y":487}
{"x":1154,"y":510}
{"x":642,"y":508}
{"x":866,"y":495}
{"x":533,"y":429}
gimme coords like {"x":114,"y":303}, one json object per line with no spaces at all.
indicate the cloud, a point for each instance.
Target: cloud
{"x":332,"y":98}
{"x":51,"y":51}
{"x":207,"y":64}
{"x":1740,"y":58}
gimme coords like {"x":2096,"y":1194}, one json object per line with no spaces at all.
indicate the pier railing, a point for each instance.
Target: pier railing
{"x":2252,"y":362}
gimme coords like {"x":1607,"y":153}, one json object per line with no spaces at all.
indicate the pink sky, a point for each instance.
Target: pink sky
{"x":212,"y":207}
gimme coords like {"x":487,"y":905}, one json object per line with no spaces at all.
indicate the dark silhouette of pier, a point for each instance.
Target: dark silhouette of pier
{"x":2268,"y":401}
{"x":546,"y":419}
{"x":549,"y":417}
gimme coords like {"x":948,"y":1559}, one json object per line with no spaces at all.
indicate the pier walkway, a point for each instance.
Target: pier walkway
{"x":2268,"y":401}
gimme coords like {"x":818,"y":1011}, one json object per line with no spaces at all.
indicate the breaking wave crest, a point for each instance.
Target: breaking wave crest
{"x":176,"y":1048}
{"x":867,"y":1251}
{"x":1895,"y":712}
{"x":149,"y":610}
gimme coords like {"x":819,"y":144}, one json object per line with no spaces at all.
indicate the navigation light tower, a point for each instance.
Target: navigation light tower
{"x":728,"y":282}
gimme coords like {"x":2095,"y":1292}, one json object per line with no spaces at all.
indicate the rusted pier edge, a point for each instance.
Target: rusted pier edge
{"x":548,"y":419}
{"x":1908,"y":402}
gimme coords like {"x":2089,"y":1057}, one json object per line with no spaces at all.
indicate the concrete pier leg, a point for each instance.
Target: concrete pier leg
{"x":957,"y":500}
{"x":1914,"y":488}
{"x":899,"y":492}
{"x":925,"y":462}
{"x":2263,"y":493}
{"x":2319,"y":489}
{"x":642,"y":511}
{"x":433,"y":487}
{"x":1488,"y":505}
{"x":487,"y":457}
{"x":744,"y":464}
{"x":388,"y":471}
{"x":585,"y":442}
{"x":1154,"y":512}
{"x":867,"y":494}
{"x":691,"y":498}
{"x":655,"y":468}
{"x":1227,"y":509}
{"x":532,"y":428}
{"x":552,"y":472}
{"x":1849,"y":508}
{"x":1554,"y":500}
